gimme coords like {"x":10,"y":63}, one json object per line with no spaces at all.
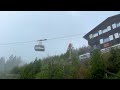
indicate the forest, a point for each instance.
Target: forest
{"x":7,"y":65}
{"x":98,"y":66}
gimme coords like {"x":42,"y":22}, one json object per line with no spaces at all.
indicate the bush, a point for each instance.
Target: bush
{"x":114,"y":61}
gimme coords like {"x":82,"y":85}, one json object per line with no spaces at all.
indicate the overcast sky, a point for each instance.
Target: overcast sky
{"x":20,"y":26}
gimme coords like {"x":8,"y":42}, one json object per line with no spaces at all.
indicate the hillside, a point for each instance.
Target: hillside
{"x":99,"y":66}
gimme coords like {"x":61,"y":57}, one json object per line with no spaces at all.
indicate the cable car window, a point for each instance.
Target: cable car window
{"x":39,"y":48}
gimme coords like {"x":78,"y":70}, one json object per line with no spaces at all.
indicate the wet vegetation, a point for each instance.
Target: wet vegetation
{"x":98,"y":66}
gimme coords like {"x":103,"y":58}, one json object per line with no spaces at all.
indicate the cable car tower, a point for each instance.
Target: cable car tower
{"x":70,"y":47}
{"x":40,"y":47}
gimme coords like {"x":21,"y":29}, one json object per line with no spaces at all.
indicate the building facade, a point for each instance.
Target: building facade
{"x":106,"y":34}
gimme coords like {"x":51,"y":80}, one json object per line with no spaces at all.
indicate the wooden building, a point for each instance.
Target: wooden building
{"x":106,"y":34}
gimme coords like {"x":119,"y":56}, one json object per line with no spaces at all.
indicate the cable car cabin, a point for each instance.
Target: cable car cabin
{"x":39,"y":48}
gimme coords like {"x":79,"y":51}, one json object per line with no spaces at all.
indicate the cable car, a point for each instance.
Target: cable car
{"x":39,"y":47}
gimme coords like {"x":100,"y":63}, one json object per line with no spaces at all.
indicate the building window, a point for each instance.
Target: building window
{"x":109,"y":28}
{"x":118,"y":24}
{"x":95,"y":35}
{"x":106,"y":39}
{"x":90,"y":36}
{"x":100,"y":32}
{"x":114,"y":26}
{"x":101,"y":41}
{"x":105,"y":30}
{"x":111,"y":37}
{"x":116,"y":35}
{"x":119,"y":34}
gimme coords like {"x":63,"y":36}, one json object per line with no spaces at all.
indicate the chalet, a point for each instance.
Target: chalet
{"x":106,"y":34}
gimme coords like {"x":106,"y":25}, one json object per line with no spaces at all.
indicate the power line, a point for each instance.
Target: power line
{"x":65,"y":36}
{"x":43,"y":39}
{"x":18,"y":42}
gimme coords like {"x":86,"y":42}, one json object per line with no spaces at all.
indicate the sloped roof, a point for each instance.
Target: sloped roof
{"x":109,"y":18}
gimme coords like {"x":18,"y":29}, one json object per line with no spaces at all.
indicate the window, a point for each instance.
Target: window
{"x":106,"y":39}
{"x":109,"y":28}
{"x":114,"y":26}
{"x":95,"y":35}
{"x":90,"y":36}
{"x":105,"y":30}
{"x":119,"y":34}
{"x":116,"y":35}
{"x":101,"y":41}
{"x":118,"y":24}
{"x":100,"y":32}
{"x":111,"y":37}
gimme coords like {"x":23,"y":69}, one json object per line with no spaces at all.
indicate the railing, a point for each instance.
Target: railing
{"x":87,"y":55}
{"x":84,"y":56}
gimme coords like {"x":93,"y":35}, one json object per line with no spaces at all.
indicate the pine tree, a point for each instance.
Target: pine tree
{"x":97,"y":65}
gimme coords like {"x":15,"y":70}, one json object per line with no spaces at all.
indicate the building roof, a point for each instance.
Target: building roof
{"x":109,"y":18}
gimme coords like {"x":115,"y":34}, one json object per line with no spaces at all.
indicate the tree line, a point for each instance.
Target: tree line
{"x":98,"y":66}
{"x":7,"y":65}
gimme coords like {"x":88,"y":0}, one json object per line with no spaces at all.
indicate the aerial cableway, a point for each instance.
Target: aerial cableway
{"x":39,"y":46}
